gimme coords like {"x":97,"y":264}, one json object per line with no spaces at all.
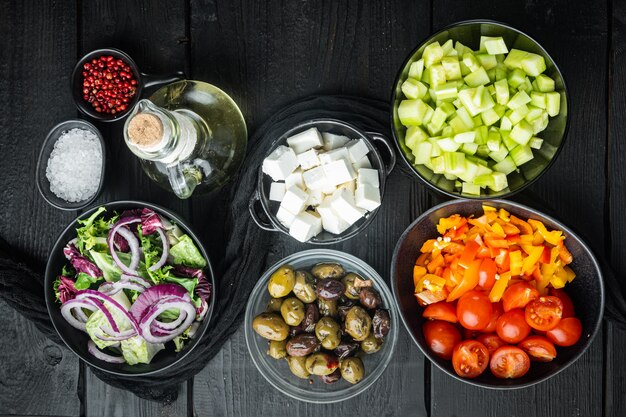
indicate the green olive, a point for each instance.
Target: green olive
{"x":371,"y":344}
{"x":328,"y":271}
{"x":273,"y":306}
{"x":292,"y":311}
{"x":270,"y":326}
{"x":328,"y":332}
{"x":321,"y":364}
{"x":327,"y":307}
{"x":277,"y":349}
{"x":304,"y":288}
{"x":352,"y":369}
{"x":358,"y":323}
{"x":351,"y":291}
{"x":281,"y":282}
{"x":297,"y":365}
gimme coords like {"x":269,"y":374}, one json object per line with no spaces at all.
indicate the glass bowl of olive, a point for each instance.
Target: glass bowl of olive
{"x":321,"y":326}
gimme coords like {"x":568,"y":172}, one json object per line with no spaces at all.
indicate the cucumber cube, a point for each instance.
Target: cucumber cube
{"x":482,"y":134}
{"x":533,"y":113}
{"x":436,"y":151}
{"x":476,"y":78}
{"x":416,"y":69}
{"x":422,"y":152}
{"x":448,"y":46}
{"x":460,"y":48}
{"x":437,"y":75}
{"x":413,"y":88}
{"x":518,"y":114}
{"x":454,"y":162}
{"x":514,"y":58}
{"x":457,"y":125}
{"x":426,"y":77}
{"x":533,"y":64}
{"x":412,"y":112}
{"x":521,"y":154}
{"x":499,"y":182}
{"x":464,"y":69}
{"x":445,"y":91}
{"x":439,"y":118}
{"x":490,"y":117}
{"x":447,"y":131}
{"x":501,"y":72}
{"x":438,"y":164}
{"x":505,"y":123}
{"x":447,"y":108}
{"x":471,"y":189}
{"x":428,"y":115}
{"x":500,"y":154}
{"x":471,"y":169}
{"x":519,"y":99}
{"x":494,"y":46}
{"x":538,"y":99}
{"x":470,"y":61}
{"x":465,"y":137}
{"x":545,"y":84}
{"x":499,"y":109}
{"x":487,"y":61}
{"x":451,"y":67}
{"x":502,"y":91}
{"x":535,"y":142}
{"x":448,"y":145}
{"x":506,"y":166}
{"x":516,"y":77}
{"x":450,"y":177}
{"x":469,"y":148}
{"x":413,"y":136}
{"x":508,"y":142}
{"x":540,"y":123}
{"x":553,"y":103}
{"x":522,"y":132}
{"x":432,"y":54}
{"x":493,"y":142}
{"x":492,"y":77}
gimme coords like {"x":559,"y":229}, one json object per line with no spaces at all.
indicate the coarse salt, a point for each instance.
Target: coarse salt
{"x":75,"y":165}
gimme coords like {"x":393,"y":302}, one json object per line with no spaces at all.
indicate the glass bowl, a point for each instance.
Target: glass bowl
{"x":267,"y":219}
{"x":469,"y":33}
{"x":42,"y":163}
{"x":277,"y":372}
{"x":586,"y":290}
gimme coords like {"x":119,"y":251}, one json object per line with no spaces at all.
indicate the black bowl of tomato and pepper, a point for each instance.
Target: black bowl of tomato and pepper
{"x":497,"y":294}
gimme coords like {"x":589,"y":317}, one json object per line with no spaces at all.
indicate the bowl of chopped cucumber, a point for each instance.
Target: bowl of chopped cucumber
{"x":479,"y":110}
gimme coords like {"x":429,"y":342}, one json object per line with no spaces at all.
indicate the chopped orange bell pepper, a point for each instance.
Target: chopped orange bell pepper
{"x":553,"y":237}
{"x":427,"y":297}
{"x":524,"y":227}
{"x":468,"y":255}
{"x":422,"y":259}
{"x":564,"y":253}
{"x":418,"y":273}
{"x":469,"y":281}
{"x":435,"y":263}
{"x":498,"y":288}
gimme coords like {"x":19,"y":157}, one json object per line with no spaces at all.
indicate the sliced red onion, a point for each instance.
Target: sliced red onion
{"x":106,"y":313}
{"x":110,"y":335}
{"x":133,"y":243}
{"x":136,"y":279}
{"x":105,"y":298}
{"x":70,"y":305}
{"x":185,"y":307}
{"x":109,"y":288}
{"x":193,"y":329}
{"x":156,"y":294}
{"x":201,"y":311}
{"x":93,"y":349}
{"x":166,"y":251}
{"x":171,"y":325}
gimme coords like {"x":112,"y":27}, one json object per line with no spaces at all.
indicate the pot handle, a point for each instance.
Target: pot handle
{"x":381,"y":141}
{"x":252,"y":208}
{"x":154,"y":80}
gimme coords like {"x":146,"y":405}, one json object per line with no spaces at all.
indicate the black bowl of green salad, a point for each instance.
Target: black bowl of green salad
{"x":129,"y":288}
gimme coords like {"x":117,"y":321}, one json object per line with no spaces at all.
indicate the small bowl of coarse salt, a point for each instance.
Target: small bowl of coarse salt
{"x":70,"y":169}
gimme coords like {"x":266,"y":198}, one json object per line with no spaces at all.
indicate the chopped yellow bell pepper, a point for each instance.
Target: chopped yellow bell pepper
{"x":516,"y":262}
{"x":498,"y":230}
{"x":553,"y":237}
{"x":503,"y":214}
{"x":570,"y":273}
{"x":498,"y":288}
{"x":531,"y":260}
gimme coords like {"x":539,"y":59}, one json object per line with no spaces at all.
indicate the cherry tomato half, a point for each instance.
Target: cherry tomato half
{"x":487,"y":274}
{"x":474,"y":310}
{"x":544,"y":313}
{"x":518,"y":295}
{"x":441,"y":311}
{"x":512,"y":326}
{"x":441,"y":337}
{"x":568,"y":304}
{"x":496,"y":312}
{"x":509,"y":362}
{"x":538,"y":348}
{"x":491,"y":341}
{"x":566,"y":333}
{"x":470,"y":359}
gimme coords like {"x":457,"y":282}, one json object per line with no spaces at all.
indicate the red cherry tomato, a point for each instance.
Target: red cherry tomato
{"x":474,"y":310}
{"x":491,"y":341}
{"x":470,"y":359}
{"x":512,"y":326}
{"x":441,"y":337}
{"x":495,"y":314}
{"x":518,"y":295}
{"x":509,"y":362}
{"x":568,"y":304}
{"x":441,"y":311}
{"x":544,"y":313}
{"x":566,"y":333}
{"x":487,"y":274}
{"x":538,"y":348}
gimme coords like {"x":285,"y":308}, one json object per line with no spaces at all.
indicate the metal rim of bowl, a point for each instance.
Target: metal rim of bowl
{"x":262,"y":283}
{"x":41,"y":163}
{"x":279,"y":227}
{"x":84,"y":107}
{"x":393,"y":99}
{"x":430,"y":355}
{"x":48,"y":280}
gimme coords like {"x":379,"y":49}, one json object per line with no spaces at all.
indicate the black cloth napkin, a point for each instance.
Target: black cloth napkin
{"x":21,"y":278}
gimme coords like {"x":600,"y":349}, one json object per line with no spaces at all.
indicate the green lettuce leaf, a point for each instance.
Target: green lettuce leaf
{"x":110,"y":270}
{"x":84,"y":281}
{"x":137,"y":350}
{"x":180,"y":341}
{"x":98,"y":319}
{"x":93,"y":232}
{"x":185,"y":252}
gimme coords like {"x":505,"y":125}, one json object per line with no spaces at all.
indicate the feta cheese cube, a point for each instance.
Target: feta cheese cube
{"x":277,"y":191}
{"x":315,"y":178}
{"x":306,"y":140}
{"x":357,"y":149}
{"x":367,"y":197}
{"x":334,"y":155}
{"x":332,"y":141}
{"x":342,"y":201}
{"x":368,"y":176}
{"x":308,"y":159}
{"x":295,"y":178}
{"x":285,"y":216}
{"x":362,"y":163}
{"x":350,"y":186}
{"x":329,"y":189}
{"x":280,"y":163}
{"x":294,"y":200}
{"x":331,"y":222}
{"x":305,"y":225}
{"x":338,"y":172}
{"x":315,"y":197}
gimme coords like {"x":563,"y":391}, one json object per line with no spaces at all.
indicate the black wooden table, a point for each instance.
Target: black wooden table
{"x":267,"y":54}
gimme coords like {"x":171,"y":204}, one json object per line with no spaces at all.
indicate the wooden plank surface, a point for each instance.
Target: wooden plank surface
{"x":37,"y":45}
{"x":580,"y":166}
{"x":266,"y":60}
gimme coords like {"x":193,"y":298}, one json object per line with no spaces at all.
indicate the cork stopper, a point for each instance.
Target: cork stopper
{"x":145,"y":130}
